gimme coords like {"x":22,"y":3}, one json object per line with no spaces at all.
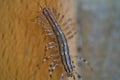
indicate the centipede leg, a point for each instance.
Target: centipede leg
{"x":48,"y":57}
{"x":72,"y":35}
{"x":80,"y":59}
{"x":86,"y":62}
{"x":39,"y":22}
{"x":78,"y":75}
{"x":54,"y":12}
{"x":52,"y":64}
{"x":52,"y":70}
{"x":63,"y":75}
{"x":50,"y":34}
{"x":73,"y":77}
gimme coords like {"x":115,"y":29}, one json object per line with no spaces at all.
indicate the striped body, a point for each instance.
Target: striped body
{"x":49,"y":17}
{"x":62,"y":42}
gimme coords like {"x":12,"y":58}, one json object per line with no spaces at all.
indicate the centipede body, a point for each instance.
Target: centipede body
{"x":61,"y":41}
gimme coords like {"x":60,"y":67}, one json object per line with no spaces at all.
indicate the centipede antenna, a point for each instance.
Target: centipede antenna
{"x":54,"y":6}
{"x":46,"y":4}
{"x":39,"y":4}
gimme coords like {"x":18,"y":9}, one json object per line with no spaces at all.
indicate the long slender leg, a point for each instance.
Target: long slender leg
{"x":50,"y":34}
{"x":61,"y":18}
{"x":72,"y":34}
{"x":48,"y":57}
{"x":86,"y":62}
{"x":42,"y":16}
{"x":78,"y":75}
{"x":74,"y":71}
{"x":63,"y":75}
{"x":80,"y":59}
{"x":52,"y":64}
{"x":74,"y":77}
{"x":51,"y":45}
{"x":69,"y":30}
{"x":48,"y":30}
{"x":52,"y":70}
{"x":54,"y":12}
{"x":40,"y":22}
{"x":68,"y":22}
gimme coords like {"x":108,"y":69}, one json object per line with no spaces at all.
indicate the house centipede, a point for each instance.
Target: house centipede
{"x":63,"y":49}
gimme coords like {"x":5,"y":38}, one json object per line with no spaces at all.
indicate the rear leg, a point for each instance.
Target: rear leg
{"x":80,"y":59}
{"x":78,"y":75}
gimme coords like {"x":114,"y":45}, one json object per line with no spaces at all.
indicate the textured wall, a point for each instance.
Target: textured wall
{"x":22,"y":42}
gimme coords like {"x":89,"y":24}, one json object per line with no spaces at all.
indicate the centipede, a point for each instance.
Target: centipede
{"x":56,"y":25}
